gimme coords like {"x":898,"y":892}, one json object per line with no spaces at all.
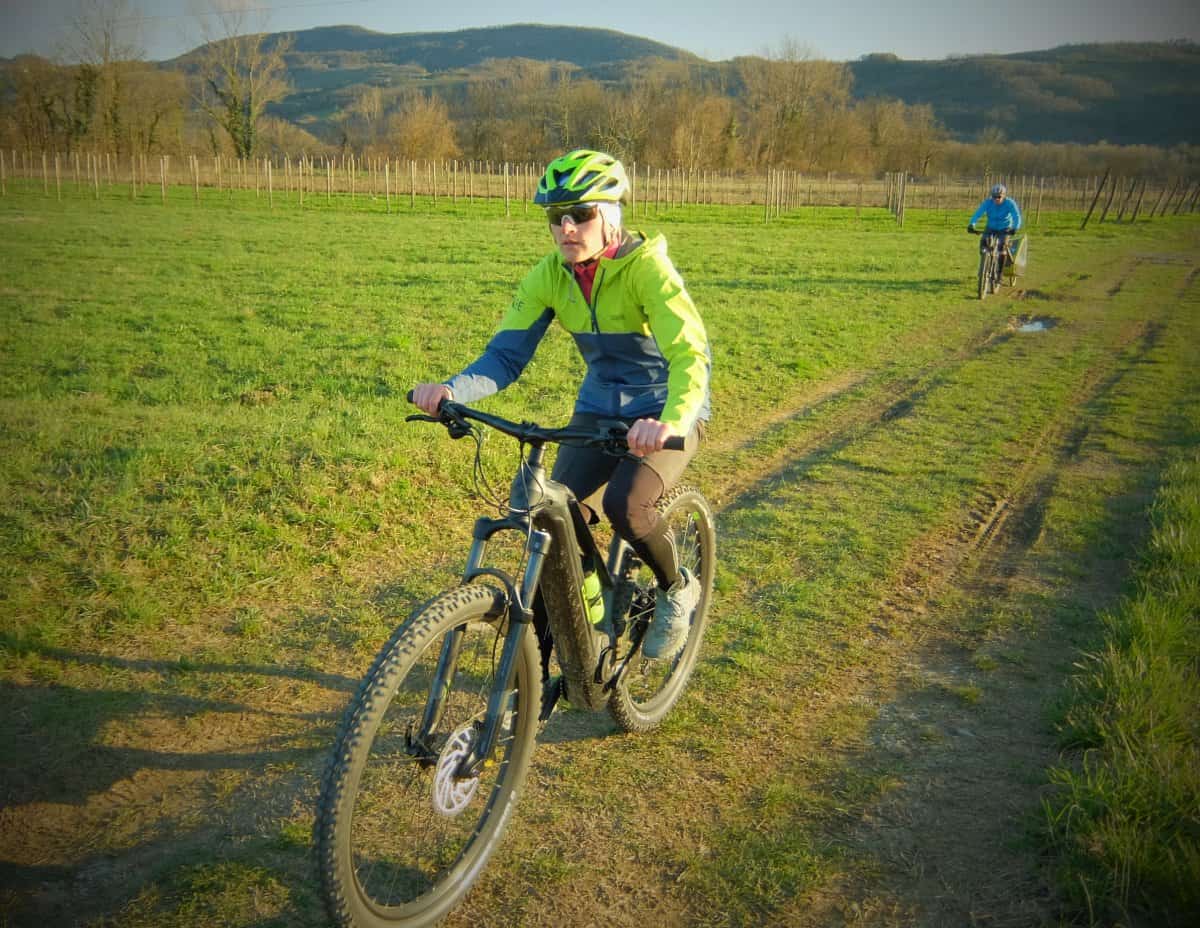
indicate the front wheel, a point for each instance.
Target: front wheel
{"x":985,"y":274}
{"x":401,"y":838}
{"x":650,"y":688}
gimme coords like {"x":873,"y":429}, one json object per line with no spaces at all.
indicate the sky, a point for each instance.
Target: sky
{"x":839,"y":30}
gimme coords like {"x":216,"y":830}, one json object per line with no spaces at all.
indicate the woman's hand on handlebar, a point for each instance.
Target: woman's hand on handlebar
{"x":428,"y":396}
{"x":647,"y":436}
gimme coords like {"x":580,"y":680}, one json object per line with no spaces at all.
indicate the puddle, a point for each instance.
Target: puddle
{"x":1032,"y":323}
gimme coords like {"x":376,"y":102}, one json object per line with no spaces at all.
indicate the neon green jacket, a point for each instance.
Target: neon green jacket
{"x":644,"y":344}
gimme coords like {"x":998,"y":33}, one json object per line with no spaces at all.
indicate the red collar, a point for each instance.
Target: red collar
{"x":585,"y":271}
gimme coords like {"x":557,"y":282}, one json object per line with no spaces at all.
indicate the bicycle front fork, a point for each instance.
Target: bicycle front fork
{"x":520,"y":618}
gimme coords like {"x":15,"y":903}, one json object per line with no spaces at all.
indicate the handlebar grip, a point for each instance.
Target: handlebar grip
{"x":409,"y":395}
{"x":674,"y":443}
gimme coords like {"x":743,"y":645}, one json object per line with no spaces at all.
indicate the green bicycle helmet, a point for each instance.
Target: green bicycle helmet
{"x":582,"y":176}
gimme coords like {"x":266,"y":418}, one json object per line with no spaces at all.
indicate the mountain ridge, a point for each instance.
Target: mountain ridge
{"x":1123,"y":93}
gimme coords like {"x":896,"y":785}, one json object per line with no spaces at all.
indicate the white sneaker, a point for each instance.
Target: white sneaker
{"x":673,"y":610}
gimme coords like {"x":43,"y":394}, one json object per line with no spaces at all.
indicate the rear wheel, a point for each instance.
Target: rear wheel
{"x":400,"y":837}
{"x":650,"y":688}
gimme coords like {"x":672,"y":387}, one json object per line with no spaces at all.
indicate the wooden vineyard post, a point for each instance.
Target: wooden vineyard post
{"x":1183,"y":198}
{"x":1125,"y":200}
{"x":1166,"y":203}
{"x":1099,"y":187}
{"x":1137,"y":207}
{"x":1112,"y":189}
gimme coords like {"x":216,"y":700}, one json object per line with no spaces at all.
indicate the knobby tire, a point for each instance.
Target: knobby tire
{"x":387,"y":858}
{"x":985,"y":274}
{"x":650,"y":688}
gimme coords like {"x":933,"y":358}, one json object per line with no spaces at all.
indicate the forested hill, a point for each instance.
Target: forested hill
{"x":343,"y":53}
{"x":1127,"y":93}
{"x":441,"y":51}
{"x":1124,"y":93}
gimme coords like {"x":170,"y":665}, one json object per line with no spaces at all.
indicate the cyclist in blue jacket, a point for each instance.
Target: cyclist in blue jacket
{"x":1003,"y":219}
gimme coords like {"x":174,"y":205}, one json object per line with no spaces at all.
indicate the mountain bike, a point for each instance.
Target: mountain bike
{"x":434,"y":749}
{"x":989,"y":261}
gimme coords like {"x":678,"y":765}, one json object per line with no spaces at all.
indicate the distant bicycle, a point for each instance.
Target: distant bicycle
{"x":435,"y":747}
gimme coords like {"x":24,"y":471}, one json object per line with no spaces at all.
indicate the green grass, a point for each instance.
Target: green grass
{"x":1125,"y":814}
{"x":212,"y":512}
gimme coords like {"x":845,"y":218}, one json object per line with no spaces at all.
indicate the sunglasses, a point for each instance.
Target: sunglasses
{"x":577,"y":214}
{"x":997,"y":196}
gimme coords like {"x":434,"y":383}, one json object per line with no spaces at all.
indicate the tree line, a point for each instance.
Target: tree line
{"x":786,"y":110}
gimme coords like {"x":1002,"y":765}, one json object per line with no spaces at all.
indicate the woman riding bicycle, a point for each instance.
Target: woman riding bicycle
{"x":1003,"y":218}
{"x":648,"y":366}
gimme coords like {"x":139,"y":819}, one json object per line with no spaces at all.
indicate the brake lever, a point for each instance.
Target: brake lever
{"x":457,"y":428}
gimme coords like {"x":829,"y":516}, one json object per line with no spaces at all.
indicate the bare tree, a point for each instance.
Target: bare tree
{"x":788,"y":97}
{"x":422,"y":129}
{"x":153,"y":111}
{"x":37,"y":114}
{"x":700,"y":138}
{"x":102,"y":46}
{"x":239,"y":74}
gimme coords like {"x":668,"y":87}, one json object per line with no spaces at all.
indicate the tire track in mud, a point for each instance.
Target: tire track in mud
{"x":881,"y":403}
{"x":999,"y":514}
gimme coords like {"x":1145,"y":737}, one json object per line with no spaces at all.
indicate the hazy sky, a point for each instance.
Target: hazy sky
{"x":841,"y":30}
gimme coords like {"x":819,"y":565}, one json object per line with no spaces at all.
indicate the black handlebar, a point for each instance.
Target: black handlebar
{"x":455,"y":416}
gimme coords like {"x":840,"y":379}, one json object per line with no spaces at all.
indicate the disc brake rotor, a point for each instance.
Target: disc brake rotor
{"x":452,"y":794}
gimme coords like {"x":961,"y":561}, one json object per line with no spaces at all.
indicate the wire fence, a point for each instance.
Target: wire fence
{"x":401,"y":184}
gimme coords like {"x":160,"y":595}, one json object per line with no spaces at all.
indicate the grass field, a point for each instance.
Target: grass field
{"x":213,"y":513}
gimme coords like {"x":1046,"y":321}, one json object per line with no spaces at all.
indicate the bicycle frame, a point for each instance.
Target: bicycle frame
{"x":546,"y":513}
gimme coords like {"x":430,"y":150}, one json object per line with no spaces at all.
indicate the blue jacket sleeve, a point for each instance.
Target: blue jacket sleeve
{"x":978,"y":213}
{"x":509,"y":350}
